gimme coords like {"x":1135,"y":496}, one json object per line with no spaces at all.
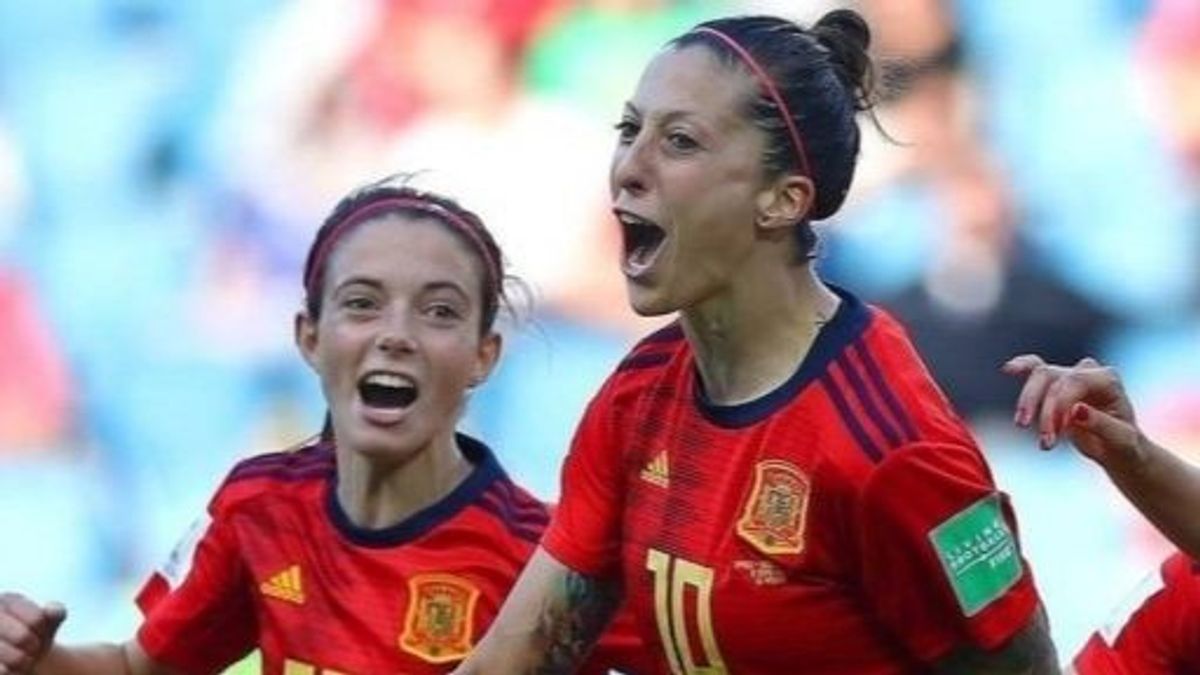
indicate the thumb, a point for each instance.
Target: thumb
{"x":55,"y":614}
{"x":1102,"y":436}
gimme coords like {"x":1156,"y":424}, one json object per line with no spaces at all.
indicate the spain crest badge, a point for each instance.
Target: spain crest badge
{"x":441,"y":612}
{"x":772,"y":519}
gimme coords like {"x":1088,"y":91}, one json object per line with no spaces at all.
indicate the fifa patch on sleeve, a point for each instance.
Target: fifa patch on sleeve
{"x":978,"y":553}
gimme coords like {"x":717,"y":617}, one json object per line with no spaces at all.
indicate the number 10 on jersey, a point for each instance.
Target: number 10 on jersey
{"x":675,"y":579}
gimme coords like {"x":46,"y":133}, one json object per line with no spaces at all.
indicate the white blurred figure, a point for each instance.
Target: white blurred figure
{"x":535,"y":167}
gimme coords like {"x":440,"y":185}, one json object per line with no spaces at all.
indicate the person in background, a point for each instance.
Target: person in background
{"x":967,"y":304}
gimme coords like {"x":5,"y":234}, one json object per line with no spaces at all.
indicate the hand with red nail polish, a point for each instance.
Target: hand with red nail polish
{"x":1087,"y":404}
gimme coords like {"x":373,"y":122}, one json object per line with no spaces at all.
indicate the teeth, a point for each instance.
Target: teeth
{"x":386,"y":380}
{"x":630,"y":219}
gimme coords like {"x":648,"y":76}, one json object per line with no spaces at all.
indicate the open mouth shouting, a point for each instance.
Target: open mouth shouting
{"x":643,"y":241}
{"x":386,"y":395}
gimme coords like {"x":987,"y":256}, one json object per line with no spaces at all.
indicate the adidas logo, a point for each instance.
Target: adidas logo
{"x":285,"y":586}
{"x":657,"y":471}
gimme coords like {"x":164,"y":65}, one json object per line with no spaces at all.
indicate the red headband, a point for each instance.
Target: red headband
{"x":393,"y":203}
{"x":772,"y":91}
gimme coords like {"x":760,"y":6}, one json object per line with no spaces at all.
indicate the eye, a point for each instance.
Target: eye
{"x":359,"y":303}
{"x":444,"y":311}
{"x":627,"y":130}
{"x":678,"y":140}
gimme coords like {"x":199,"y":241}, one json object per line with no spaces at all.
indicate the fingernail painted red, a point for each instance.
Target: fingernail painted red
{"x":1081,"y":413}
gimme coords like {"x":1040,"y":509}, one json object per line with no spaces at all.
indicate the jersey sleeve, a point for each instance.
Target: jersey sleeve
{"x":199,"y":614}
{"x":941,"y":563}
{"x":1097,"y":657}
{"x":1155,"y":630}
{"x":585,"y":531}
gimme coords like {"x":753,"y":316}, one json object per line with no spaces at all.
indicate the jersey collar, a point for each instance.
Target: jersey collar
{"x":847,"y":324}
{"x":485,"y":471}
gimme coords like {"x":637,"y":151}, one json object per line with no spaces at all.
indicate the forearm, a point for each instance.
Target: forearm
{"x":106,"y":659}
{"x":1030,"y":652}
{"x":1166,"y":489}
{"x":568,"y":628}
{"x":548,"y":623}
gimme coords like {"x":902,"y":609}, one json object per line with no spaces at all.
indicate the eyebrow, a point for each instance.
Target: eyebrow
{"x":663,"y":118}
{"x":430,"y":287}
{"x":452,"y":286}
{"x":357,"y":281}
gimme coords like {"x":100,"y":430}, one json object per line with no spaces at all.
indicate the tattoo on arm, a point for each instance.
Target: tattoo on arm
{"x":572,"y":622}
{"x":1030,"y":652}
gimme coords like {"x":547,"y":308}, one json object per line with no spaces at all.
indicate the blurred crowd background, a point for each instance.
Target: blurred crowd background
{"x":164,"y":165}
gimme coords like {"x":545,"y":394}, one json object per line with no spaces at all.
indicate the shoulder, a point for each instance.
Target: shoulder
{"x":654,"y":350}
{"x":519,"y":515}
{"x":504,"y":507}
{"x":1181,"y":568}
{"x":275,"y":474}
{"x":885,"y":359}
{"x":647,"y":364}
{"x":887,"y":407}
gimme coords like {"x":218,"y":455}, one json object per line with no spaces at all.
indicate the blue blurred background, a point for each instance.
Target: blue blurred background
{"x":164,"y":164}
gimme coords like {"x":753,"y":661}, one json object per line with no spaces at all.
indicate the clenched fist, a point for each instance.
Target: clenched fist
{"x":26,"y":632}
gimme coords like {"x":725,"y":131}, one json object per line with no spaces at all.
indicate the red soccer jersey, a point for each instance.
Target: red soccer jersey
{"x":1156,"y":631}
{"x":277,"y":565}
{"x":845,"y":522}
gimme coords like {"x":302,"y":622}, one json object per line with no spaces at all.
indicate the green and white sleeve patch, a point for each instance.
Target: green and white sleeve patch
{"x":978,"y":553}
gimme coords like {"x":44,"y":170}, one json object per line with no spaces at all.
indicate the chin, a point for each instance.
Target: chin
{"x":647,"y":302}
{"x":377,"y":445}
{"x":651,"y":312}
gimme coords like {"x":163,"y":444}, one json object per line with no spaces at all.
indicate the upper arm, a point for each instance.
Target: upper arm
{"x":585,"y":532}
{"x":204,"y":583}
{"x":1030,"y":652}
{"x":548,"y":623}
{"x":941,"y":562}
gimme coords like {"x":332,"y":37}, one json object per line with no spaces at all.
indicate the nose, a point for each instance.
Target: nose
{"x":395,"y":335}
{"x":629,"y":170}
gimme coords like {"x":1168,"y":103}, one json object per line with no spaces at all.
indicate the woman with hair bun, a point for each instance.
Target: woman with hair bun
{"x":772,"y":483}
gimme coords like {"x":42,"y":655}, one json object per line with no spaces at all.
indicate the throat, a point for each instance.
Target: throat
{"x":375,"y":495}
{"x":741,"y":361}
{"x":728,"y":384}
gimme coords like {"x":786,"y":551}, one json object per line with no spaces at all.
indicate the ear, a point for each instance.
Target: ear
{"x":486,"y":358}
{"x":304,"y":332}
{"x":784,"y":203}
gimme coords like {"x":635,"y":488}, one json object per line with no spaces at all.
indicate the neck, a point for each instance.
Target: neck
{"x":752,"y":338}
{"x":375,"y":494}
